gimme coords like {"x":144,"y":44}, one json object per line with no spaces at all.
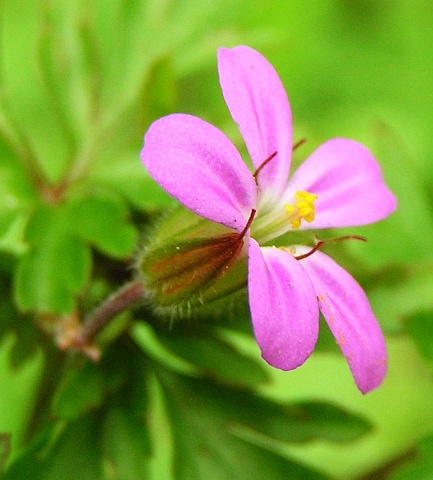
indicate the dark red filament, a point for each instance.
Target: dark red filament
{"x":297,"y":145}
{"x":248,"y":225}
{"x":320,"y":243}
{"x":263,"y":165}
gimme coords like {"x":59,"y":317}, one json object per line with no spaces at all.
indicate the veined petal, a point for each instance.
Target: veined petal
{"x":283,"y":304}
{"x":258,"y":103}
{"x":348,"y":313}
{"x":199,"y":166}
{"x":349,"y":184}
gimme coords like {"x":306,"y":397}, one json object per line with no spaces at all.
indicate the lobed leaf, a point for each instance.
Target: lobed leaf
{"x":102,"y":222}
{"x":56,"y":266}
{"x":203,"y":417}
{"x":215,"y":358}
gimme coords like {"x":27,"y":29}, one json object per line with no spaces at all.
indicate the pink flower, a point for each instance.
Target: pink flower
{"x":339,"y":185}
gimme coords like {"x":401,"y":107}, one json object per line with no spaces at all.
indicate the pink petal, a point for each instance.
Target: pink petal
{"x":199,"y":166}
{"x":283,"y":305}
{"x":258,"y":104}
{"x":349,"y":183}
{"x":350,"y":318}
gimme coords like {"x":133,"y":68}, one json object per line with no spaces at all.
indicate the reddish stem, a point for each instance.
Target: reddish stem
{"x":129,"y":295}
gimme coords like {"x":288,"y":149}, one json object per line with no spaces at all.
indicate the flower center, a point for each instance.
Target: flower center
{"x":303,"y":209}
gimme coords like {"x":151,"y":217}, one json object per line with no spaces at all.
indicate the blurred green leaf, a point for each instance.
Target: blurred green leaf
{"x":69,"y":61}
{"x":58,"y":262}
{"x":25,"y":96}
{"x":95,"y":446}
{"x":126,"y":175}
{"x":97,"y":424}
{"x":215,"y":358}
{"x":102,"y":223}
{"x":76,"y":452}
{"x":26,"y":466}
{"x":159,"y":94}
{"x":298,"y":422}
{"x":126,"y":445}
{"x":393,"y":301}
{"x":420,"y":327}
{"x":17,"y":196}
{"x":56,"y":266}
{"x":81,"y":391}
{"x":207,"y":417}
{"x":422,"y":467}
{"x":28,"y":337}
{"x":5,"y":449}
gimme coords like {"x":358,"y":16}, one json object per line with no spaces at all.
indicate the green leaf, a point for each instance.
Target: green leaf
{"x":103,"y":223}
{"x":76,"y":452}
{"x":20,"y":388}
{"x":28,"y":337}
{"x":102,"y":433}
{"x":420,"y":327}
{"x":159,"y":94}
{"x":16,"y":199}
{"x":27,"y":97}
{"x":215,"y":358}
{"x":205,"y":418}
{"x":67,"y":54}
{"x":422,"y":467}
{"x":392,"y":301}
{"x":81,"y":391}
{"x":126,"y":445}
{"x":125,"y":174}
{"x":5,"y":448}
{"x":56,"y":266}
{"x":27,"y":465}
{"x":298,"y":422}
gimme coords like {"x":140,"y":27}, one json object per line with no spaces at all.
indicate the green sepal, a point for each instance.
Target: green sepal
{"x":191,"y":261}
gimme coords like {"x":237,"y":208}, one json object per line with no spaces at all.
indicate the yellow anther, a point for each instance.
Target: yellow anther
{"x":304,"y":208}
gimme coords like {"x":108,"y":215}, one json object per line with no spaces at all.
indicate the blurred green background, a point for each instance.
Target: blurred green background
{"x":80,"y":82}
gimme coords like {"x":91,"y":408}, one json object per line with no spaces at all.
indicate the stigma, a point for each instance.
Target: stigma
{"x":303,"y":209}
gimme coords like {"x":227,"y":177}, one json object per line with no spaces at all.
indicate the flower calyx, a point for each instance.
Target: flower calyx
{"x":181,"y":270}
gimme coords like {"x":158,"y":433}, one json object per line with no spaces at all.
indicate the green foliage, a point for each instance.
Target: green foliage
{"x":5,"y":448}
{"x":422,"y":467}
{"x":80,"y":82}
{"x":101,"y":425}
{"x":420,"y":327}
{"x":204,"y":434}
{"x":55,"y":267}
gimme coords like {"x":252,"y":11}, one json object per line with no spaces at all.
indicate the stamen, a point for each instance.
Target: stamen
{"x":298,"y":144}
{"x":248,"y":225}
{"x":304,"y":208}
{"x":260,"y":168}
{"x":320,"y":243}
{"x":314,"y":249}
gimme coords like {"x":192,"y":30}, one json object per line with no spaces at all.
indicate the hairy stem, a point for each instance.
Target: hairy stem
{"x":129,"y":295}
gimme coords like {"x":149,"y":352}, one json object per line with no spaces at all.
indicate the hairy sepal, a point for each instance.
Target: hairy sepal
{"x":190,"y":262}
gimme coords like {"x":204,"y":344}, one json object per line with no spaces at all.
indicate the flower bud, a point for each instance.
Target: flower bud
{"x":190,"y":261}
